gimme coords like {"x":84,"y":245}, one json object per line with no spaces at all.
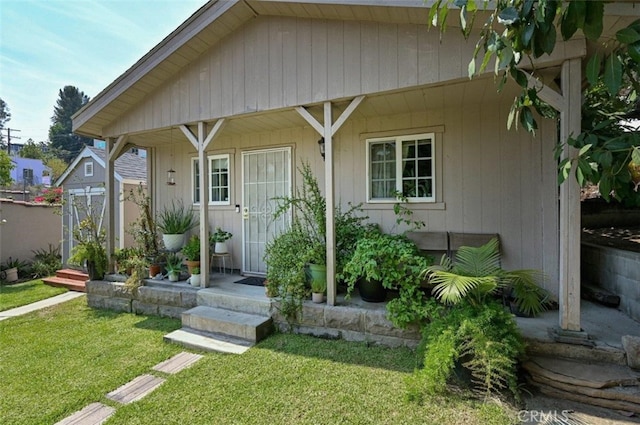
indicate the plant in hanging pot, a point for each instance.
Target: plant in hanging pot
{"x":173,"y":267}
{"x":219,"y":240}
{"x":174,"y":221}
{"x":191,"y":253}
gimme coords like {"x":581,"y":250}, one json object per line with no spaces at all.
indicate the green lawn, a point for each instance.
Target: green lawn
{"x":20,"y":294}
{"x":59,"y":360}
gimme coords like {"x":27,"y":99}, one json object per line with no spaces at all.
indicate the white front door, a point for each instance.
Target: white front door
{"x":266,"y":174}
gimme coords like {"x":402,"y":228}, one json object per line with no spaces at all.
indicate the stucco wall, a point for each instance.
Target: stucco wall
{"x":28,"y":227}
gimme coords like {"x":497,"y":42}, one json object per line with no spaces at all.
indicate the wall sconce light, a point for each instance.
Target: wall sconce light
{"x":171,"y":179}
{"x":321,"y":145}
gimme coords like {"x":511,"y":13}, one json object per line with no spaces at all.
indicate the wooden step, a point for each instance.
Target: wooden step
{"x":72,"y":274}
{"x":70,"y":284}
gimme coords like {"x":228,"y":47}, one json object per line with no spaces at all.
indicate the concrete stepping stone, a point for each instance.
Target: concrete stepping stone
{"x":177,"y":363}
{"x":136,"y":389}
{"x":93,"y":414}
{"x":208,"y":342}
{"x":39,"y":305}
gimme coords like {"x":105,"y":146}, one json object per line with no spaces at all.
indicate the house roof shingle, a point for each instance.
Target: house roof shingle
{"x":129,"y":166}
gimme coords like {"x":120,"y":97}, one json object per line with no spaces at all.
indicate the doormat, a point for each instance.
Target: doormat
{"x":253,"y":281}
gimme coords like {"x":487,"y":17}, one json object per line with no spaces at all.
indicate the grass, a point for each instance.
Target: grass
{"x":64,"y":358}
{"x":12,"y":296}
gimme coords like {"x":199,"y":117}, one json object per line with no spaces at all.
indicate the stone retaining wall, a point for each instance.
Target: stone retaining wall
{"x":350,"y":323}
{"x":615,"y":270}
{"x":157,"y":299}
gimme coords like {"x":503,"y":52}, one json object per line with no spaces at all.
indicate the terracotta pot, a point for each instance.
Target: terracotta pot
{"x":191,"y":265}
{"x":154,"y":269}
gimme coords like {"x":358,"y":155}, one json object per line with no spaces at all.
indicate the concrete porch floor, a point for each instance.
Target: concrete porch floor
{"x":604,"y":325}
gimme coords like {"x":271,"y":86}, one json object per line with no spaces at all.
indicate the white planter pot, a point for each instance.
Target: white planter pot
{"x":195,"y":280}
{"x":174,"y":276}
{"x":173,"y":243}
{"x":317,"y":297}
{"x":221,"y":248}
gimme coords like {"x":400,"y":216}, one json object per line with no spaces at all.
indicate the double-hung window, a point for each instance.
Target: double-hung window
{"x":402,"y":164}
{"x":219,"y":180}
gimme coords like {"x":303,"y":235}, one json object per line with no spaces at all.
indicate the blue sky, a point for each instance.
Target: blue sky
{"x":48,"y":44}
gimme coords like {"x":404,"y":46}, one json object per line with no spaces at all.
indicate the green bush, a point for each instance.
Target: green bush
{"x":484,"y":340}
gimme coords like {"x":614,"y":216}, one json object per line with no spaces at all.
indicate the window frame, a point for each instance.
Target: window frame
{"x":398,"y":140}
{"x":195,"y":179}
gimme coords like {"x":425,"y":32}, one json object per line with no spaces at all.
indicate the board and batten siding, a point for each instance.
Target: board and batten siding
{"x":280,"y":62}
{"x":491,"y":180}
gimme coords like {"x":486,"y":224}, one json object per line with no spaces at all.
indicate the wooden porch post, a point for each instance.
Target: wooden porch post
{"x":570,"y":118}
{"x":113,"y":151}
{"x":327,"y":131}
{"x":201,"y":143}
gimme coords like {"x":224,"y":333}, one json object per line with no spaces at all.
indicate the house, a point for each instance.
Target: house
{"x":84,"y":190}
{"x":30,"y":172}
{"x":245,"y":90}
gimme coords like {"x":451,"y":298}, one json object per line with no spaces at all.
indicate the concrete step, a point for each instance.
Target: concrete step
{"x":595,"y":383}
{"x":235,"y":324}
{"x":72,"y":274}
{"x":206,"y":341}
{"x":70,"y":284}
{"x":249,"y":303}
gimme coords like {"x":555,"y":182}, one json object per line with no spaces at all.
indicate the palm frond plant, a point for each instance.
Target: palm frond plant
{"x":476,"y":274}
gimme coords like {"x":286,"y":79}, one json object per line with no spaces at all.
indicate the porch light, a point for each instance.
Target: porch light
{"x":321,"y":145}
{"x":171,"y":179}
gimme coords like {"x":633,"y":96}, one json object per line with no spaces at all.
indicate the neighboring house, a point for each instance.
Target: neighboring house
{"x":30,"y":172}
{"x":243,"y":90}
{"x":84,"y":190}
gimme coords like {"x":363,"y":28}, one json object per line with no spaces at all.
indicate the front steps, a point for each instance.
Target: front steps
{"x":608,"y":385}
{"x":73,"y":280}
{"x":223,"y":322}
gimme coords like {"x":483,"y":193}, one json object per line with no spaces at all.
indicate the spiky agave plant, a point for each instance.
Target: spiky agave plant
{"x":476,"y":273}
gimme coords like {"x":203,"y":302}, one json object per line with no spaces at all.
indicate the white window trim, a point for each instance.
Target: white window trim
{"x":88,"y":169}
{"x":398,"y":144}
{"x":210,"y":158}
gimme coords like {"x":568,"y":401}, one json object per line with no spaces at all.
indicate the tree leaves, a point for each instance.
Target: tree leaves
{"x":627,"y":35}
{"x":592,"y":27}
{"x":593,"y":68}
{"x":613,"y":73}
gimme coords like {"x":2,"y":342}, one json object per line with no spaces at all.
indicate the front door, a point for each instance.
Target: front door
{"x":266,"y":174}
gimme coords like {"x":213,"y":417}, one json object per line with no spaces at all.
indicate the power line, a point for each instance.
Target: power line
{"x":9,"y":130}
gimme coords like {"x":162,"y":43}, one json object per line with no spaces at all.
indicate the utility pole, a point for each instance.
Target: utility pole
{"x":9,"y":130}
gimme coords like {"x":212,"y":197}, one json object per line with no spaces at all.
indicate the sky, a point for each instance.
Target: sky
{"x":48,"y":44}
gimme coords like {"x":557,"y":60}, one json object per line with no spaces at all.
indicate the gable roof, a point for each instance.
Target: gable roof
{"x":127,"y":167}
{"x":219,"y":18}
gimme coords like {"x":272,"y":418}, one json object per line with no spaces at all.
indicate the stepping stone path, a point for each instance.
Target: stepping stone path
{"x":98,"y":413}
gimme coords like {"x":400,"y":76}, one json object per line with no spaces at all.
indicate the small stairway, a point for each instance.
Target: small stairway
{"x":73,"y":280}
{"x":596,"y":383}
{"x":222,"y":322}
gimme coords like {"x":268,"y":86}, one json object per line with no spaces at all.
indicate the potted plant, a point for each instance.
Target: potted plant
{"x":195,"y":276}
{"x":89,"y":250}
{"x":191,"y":253}
{"x":219,"y":239}
{"x":174,"y":267}
{"x":380,"y":262}
{"x":174,"y":221}
{"x":318,"y":288}
{"x":145,"y":230}
{"x":316,"y":261}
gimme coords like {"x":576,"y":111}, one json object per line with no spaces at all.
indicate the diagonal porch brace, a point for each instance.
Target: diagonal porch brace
{"x":327,"y":131}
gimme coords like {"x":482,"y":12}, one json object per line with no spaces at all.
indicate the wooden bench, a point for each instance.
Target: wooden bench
{"x":439,"y":243}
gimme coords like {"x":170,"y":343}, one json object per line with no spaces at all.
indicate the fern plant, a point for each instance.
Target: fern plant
{"x":476,"y":274}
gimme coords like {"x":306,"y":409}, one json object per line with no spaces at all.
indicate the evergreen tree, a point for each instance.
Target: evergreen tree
{"x":70,"y":100}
